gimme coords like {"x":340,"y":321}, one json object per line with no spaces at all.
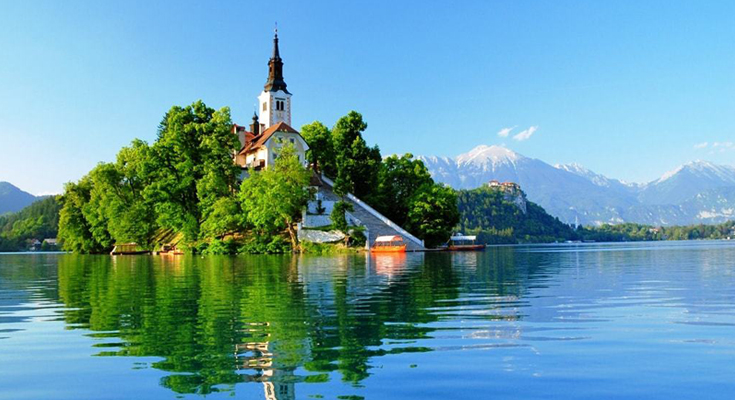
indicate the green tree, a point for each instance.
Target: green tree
{"x":357,"y":165}
{"x":225,"y":219}
{"x":274,"y":199}
{"x":117,"y":204}
{"x":191,"y":166}
{"x":400,"y":179}
{"x":433,"y":214}
{"x":75,"y":232}
{"x":321,"y":149}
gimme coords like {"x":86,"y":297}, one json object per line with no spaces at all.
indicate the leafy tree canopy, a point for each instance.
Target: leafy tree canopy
{"x":274,"y":198}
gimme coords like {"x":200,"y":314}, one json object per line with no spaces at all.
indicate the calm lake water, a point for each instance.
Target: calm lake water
{"x":632,"y":321}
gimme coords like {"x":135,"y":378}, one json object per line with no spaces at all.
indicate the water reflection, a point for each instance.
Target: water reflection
{"x":219,"y":321}
{"x":281,"y":322}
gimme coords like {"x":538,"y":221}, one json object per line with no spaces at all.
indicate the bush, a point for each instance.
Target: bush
{"x":357,"y":237}
{"x":261,"y":244}
{"x":339,"y":220}
{"x":219,"y":247}
{"x":322,"y":249}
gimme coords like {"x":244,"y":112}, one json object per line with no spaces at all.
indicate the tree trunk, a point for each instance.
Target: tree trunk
{"x":294,"y":238}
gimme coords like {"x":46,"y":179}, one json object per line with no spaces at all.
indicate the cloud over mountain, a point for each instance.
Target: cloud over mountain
{"x":525,"y":134}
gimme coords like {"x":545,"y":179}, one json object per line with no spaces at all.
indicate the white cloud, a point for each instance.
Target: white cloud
{"x":723,"y":145}
{"x":505,"y":132}
{"x":716,"y":147}
{"x":701,"y":145}
{"x":525,"y":134}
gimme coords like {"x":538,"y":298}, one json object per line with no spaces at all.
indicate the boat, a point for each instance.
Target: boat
{"x":461,"y":242}
{"x":170,"y":250}
{"x":388,"y":244}
{"x":128,"y":249}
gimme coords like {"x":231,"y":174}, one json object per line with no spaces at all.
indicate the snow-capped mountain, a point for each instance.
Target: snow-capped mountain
{"x":696,"y":192}
{"x":597,"y":179}
{"x":685,"y":182}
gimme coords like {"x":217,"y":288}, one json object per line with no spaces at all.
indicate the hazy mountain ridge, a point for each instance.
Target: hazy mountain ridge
{"x":13,"y":199}
{"x":697,"y":192}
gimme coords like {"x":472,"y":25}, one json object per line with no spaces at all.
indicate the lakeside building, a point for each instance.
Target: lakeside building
{"x":271,"y":130}
{"x":262,"y":142}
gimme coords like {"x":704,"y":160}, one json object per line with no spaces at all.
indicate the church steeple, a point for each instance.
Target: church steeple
{"x":275,"y":70}
{"x":275,"y":100}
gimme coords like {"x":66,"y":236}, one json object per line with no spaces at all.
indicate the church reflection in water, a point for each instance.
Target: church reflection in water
{"x":277,"y":384}
{"x":275,"y":320}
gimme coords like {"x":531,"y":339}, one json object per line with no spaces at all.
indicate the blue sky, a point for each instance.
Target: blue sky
{"x":629,"y":89}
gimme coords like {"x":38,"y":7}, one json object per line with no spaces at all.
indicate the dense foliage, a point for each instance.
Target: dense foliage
{"x":400,"y":188}
{"x":186,"y":185}
{"x":495,"y":218}
{"x":638,"y":232}
{"x":37,"y":221}
{"x":185,"y":182}
{"x":275,"y":197}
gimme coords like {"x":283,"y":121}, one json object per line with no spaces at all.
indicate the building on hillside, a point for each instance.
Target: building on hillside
{"x":511,"y":186}
{"x":505,"y":186}
{"x":271,"y":130}
{"x":511,"y":192}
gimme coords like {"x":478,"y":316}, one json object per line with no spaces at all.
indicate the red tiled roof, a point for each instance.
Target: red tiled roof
{"x":260,"y":140}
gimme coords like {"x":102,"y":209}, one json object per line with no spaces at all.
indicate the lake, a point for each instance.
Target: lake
{"x":623,"y":321}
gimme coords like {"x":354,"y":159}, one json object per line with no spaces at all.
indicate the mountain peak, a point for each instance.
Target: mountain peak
{"x":575,"y":168}
{"x":13,"y":199}
{"x":484,"y":154}
{"x":703,"y":169}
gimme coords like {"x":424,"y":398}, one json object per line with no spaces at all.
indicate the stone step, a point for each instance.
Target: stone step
{"x":375,"y":226}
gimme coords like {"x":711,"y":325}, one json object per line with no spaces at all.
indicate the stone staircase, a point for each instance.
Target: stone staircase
{"x":376,"y":224}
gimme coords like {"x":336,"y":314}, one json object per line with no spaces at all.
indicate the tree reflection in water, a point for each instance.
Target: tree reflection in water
{"x":280,"y":320}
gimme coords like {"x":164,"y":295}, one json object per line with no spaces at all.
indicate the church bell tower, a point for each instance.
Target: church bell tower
{"x":275,"y":100}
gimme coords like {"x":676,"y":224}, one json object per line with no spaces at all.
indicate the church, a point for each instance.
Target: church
{"x":269,"y":132}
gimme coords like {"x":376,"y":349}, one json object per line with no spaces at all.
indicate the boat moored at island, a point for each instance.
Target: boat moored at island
{"x":461,"y":242}
{"x":389,"y":244}
{"x":122,"y":249}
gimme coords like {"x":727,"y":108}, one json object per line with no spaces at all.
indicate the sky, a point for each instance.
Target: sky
{"x":629,"y":89}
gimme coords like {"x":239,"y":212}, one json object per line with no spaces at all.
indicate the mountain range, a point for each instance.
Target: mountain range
{"x":13,"y":199}
{"x":696,"y":192}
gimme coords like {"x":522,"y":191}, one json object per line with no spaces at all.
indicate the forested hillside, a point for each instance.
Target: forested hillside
{"x":39,"y":221}
{"x":13,"y":199}
{"x":496,"y":219}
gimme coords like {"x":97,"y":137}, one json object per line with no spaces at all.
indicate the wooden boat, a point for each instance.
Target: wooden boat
{"x":464,"y":243}
{"x":128,"y":249}
{"x":388,"y":244}
{"x":169,"y":250}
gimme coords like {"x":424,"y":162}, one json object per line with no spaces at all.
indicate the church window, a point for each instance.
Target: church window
{"x":265,"y":106}
{"x":293,"y":141}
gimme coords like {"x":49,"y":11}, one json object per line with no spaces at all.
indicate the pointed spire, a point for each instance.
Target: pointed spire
{"x":276,"y":53}
{"x":275,"y":69}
